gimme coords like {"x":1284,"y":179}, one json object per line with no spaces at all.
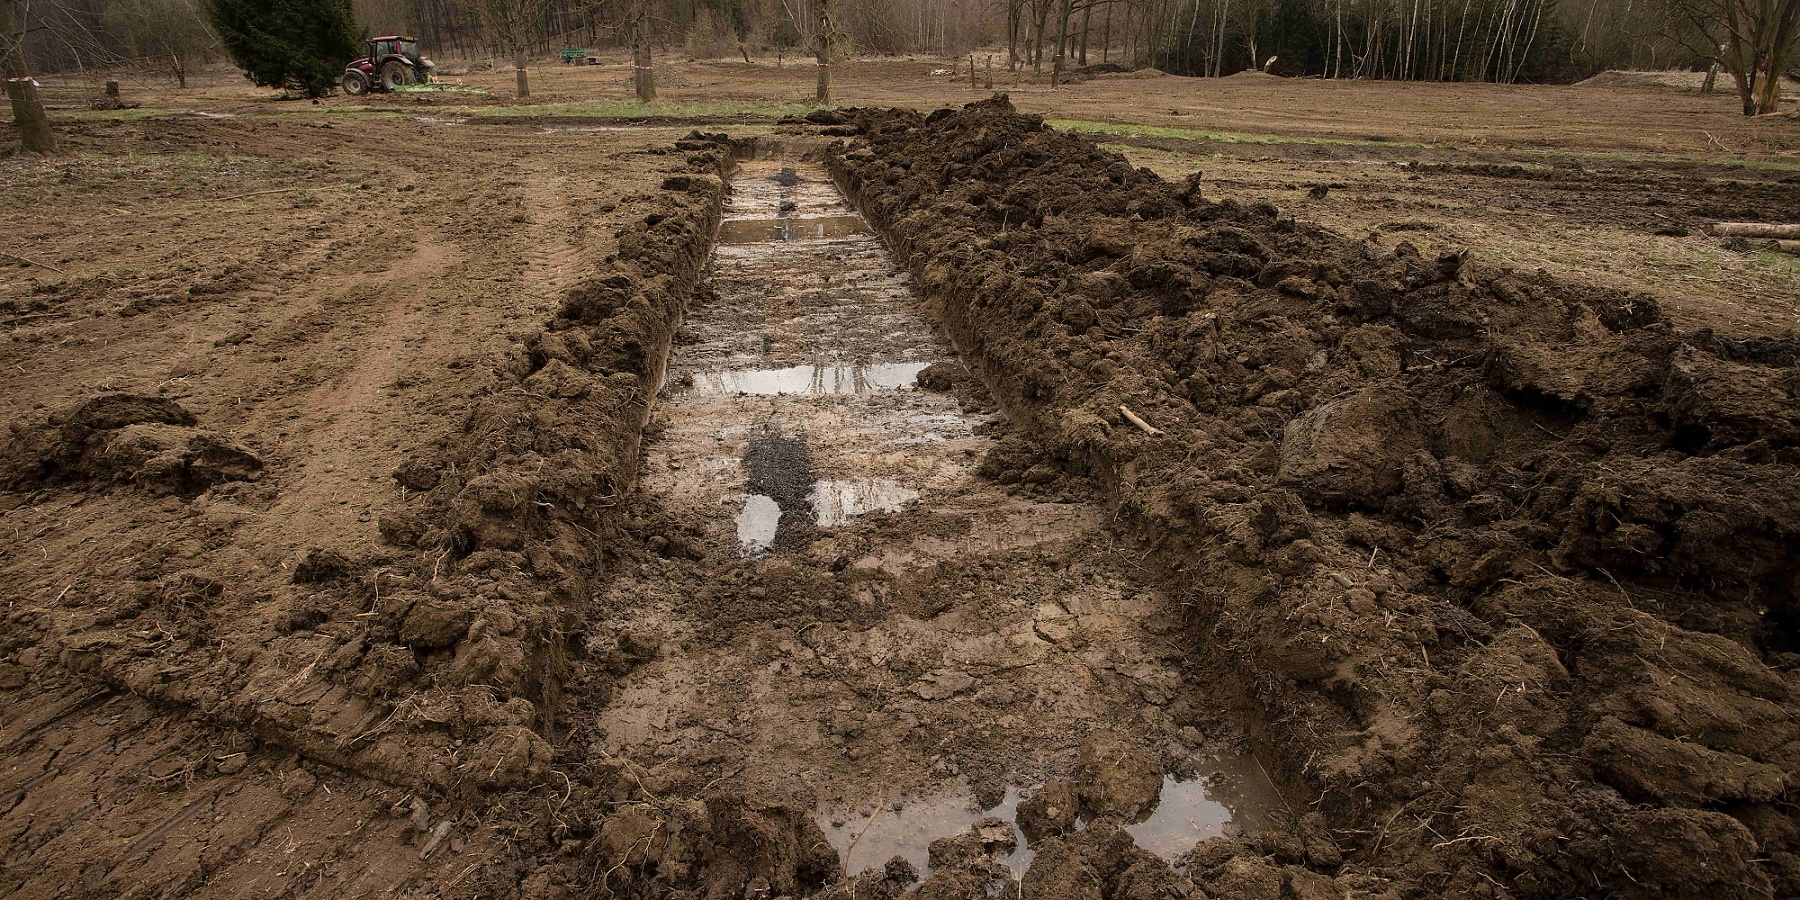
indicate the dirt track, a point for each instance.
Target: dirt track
{"x":332,"y":570}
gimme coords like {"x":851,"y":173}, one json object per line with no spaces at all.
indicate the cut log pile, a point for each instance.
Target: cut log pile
{"x":1782,"y":238}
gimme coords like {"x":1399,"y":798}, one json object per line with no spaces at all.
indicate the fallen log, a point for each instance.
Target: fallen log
{"x":1755,"y":230}
{"x":1791,"y":247}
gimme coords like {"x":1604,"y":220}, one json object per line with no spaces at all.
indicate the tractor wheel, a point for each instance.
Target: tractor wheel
{"x":395,"y":74}
{"x":356,"y":83}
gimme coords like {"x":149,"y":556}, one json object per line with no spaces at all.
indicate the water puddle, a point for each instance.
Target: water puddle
{"x":805,"y":371}
{"x":831,"y":379}
{"x":758,"y":524}
{"x":1232,"y":796}
{"x":1235,"y":796}
{"x":435,"y":120}
{"x":906,"y":828}
{"x":816,"y":228}
{"x":207,"y":114}
{"x":835,"y":502}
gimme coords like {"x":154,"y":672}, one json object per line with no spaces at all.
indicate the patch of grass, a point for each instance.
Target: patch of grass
{"x":1223,"y":137}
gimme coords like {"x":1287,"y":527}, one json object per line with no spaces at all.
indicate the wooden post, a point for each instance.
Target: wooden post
{"x":971,"y":71}
{"x":987,"y":80}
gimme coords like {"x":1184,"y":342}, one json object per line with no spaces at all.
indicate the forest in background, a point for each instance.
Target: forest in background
{"x":1532,"y":41}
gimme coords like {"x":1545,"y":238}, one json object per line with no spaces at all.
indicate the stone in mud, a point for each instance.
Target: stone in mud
{"x":1117,"y":778}
{"x":1050,"y":810}
{"x":1352,"y":450}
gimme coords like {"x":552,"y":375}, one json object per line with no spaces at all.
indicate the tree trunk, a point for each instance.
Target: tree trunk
{"x":643,"y":72}
{"x":1106,"y":36}
{"x":35,"y":135}
{"x":520,"y":78}
{"x":1041,"y":18}
{"x":1062,"y":43}
{"x":1087,"y":15}
{"x":827,"y":35}
{"x":1013,"y":15}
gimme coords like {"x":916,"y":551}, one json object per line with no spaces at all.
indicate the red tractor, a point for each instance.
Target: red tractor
{"x":393,"y":62}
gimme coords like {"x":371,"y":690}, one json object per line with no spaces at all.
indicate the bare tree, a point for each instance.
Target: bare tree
{"x":1751,"y":39}
{"x":165,"y":34}
{"x":35,"y":135}
{"x":514,"y":25}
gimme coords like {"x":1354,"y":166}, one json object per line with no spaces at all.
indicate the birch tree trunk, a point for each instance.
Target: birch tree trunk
{"x":823,"y":40}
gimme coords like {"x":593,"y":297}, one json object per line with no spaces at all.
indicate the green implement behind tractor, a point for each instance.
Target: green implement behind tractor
{"x":575,"y":56}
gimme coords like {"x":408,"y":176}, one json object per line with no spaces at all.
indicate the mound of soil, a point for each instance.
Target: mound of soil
{"x":1505,"y":566}
{"x":148,"y":441}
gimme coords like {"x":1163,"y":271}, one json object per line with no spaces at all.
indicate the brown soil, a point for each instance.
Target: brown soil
{"x":1505,"y":565}
{"x":330,"y":569}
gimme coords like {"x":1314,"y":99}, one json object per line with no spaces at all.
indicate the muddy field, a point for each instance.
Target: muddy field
{"x":1240,"y":489}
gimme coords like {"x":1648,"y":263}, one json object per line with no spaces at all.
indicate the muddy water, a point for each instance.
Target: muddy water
{"x":1231,"y":795}
{"x":962,"y":638}
{"x":802,"y":380}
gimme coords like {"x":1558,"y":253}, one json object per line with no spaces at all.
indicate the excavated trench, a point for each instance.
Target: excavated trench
{"x":954,"y":641}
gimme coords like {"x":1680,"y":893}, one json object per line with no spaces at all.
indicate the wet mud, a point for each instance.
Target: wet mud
{"x":870,"y":613}
{"x":1022,"y":525}
{"x":1477,"y":546}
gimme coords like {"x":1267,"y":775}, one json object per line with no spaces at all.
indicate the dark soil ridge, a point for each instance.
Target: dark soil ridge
{"x":1506,"y":566}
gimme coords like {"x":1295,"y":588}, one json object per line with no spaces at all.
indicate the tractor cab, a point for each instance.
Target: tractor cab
{"x":394,"y":45}
{"x":393,"y":62}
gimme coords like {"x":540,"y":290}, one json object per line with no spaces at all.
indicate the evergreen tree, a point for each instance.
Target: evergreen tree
{"x":298,"y":45}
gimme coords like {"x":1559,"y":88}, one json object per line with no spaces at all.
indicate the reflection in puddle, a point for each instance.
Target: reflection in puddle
{"x":1236,"y":794}
{"x":1233,"y":796}
{"x":762,"y":231}
{"x":908,"y":831}
{"x":757,"y":524}
{"x":811,"y":379}
{"x":835,"y":502}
